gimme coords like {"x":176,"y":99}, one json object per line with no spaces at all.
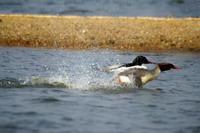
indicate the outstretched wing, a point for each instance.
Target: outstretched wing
{"x":138,"y":81}
{"x":134,"y":71}
{"x":111,"y":68}
{"x":121,"y":68}
{"x":132,"y":76}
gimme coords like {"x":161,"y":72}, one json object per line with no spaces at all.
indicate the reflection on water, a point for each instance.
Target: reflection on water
{"x":64,"y":91}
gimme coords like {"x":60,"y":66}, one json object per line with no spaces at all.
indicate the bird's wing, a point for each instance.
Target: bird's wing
{"x":133,"y":71}
{"x":139,"y":67}
{"x":111,"y":68}
{"x":131,"y":76}
{"x":121,"y":68}
{"x":138,"y":81}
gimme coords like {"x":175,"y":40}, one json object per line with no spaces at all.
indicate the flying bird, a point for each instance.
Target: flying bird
{"x":136,"y":63}
{"x":141,"y":76}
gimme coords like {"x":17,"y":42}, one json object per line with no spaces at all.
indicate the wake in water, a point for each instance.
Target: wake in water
{"x":58,"y":69}
{"x":60,"y":82}
{"x":34,"y":82}
{"x":86,"y":79}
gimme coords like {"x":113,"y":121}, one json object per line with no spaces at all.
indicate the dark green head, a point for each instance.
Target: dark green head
{"x":167,"y":66}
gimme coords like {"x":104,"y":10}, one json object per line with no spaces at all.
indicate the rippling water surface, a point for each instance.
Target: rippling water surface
{"x":65,"y":91}
{"x":177,"y":8}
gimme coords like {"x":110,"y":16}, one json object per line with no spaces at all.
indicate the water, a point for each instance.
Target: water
{"x":177,"y":8}
{"x":48,"y":91}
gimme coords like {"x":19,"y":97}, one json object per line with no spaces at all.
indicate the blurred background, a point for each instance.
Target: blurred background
{"x":158,"y":8}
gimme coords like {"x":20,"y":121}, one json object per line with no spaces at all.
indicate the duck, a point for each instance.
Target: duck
{"x":140,"y":76}
{"x":138,"y":62}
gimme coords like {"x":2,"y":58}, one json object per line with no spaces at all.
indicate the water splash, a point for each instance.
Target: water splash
{"x":46,"y":82}
{"x":61,"y":69}
{"x":43,"y":82}
{"x":35,"y":82}
{"x":9,"y":83}
{"x":84,"y":83}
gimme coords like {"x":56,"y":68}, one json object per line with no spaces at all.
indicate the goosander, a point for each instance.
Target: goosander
{"x":141,"y":76}
{"x":136,"y":63}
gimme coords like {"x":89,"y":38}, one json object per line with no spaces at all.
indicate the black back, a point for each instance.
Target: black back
{"x":139,"y":60}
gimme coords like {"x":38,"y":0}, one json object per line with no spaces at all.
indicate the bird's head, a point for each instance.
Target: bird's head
{"x":167,"y":66}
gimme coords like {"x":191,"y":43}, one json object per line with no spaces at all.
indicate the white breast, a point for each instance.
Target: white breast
{"x":146,"y":78}
{"x":150,"y":75}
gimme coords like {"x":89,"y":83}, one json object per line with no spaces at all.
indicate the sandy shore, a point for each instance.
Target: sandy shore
{"x":118,"y":33}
